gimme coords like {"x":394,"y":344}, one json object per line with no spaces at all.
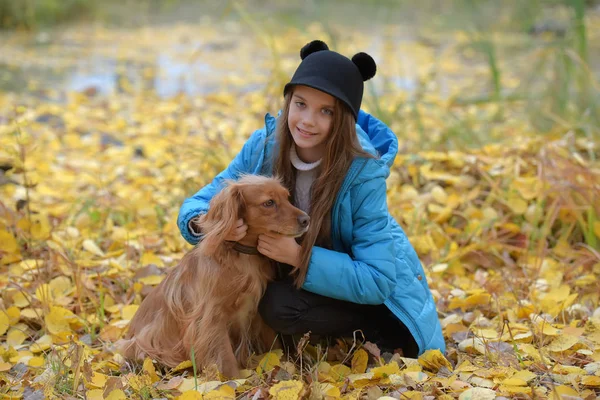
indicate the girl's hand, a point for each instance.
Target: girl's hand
{"x":238,"y":232}
{"x":280,"y":248}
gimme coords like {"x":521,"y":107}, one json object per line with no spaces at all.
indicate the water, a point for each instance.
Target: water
{"x":198,"y":50}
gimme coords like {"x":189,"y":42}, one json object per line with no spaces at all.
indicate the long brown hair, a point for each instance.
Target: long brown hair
{"x":341,"y":149}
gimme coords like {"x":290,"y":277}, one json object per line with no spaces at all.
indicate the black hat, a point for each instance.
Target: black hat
{"x":333,"y":73}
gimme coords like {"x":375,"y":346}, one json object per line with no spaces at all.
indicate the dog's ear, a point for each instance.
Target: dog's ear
{"x":225,"y":209}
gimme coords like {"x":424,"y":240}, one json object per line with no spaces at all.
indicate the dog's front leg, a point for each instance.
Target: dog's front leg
{"x":228,"y":363}
{"x":212,"y":346}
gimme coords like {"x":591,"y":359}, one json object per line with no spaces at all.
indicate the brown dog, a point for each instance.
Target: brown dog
{"x":209,"y":301}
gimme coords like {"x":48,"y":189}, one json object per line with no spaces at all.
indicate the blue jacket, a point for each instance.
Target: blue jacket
{"x":372,"y":261}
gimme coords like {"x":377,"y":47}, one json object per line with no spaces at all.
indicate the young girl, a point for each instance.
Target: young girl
{"x":361,"y":272}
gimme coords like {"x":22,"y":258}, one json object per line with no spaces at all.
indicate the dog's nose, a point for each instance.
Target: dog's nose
{"x":303,"y":220}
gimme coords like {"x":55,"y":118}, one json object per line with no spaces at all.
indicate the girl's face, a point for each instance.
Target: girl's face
{"x":309,"y":120}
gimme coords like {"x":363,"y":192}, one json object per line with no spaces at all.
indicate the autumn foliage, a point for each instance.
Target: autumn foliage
{"x":508,"y":231}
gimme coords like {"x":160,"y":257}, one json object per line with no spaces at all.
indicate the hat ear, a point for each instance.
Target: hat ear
{"x":366,"y":65}
{"x":312,"y":47}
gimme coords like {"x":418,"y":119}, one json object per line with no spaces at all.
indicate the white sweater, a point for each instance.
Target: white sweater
{"x":305,"y":176}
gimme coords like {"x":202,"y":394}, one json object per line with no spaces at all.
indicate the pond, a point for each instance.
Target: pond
{"x":199,"y":48}
{"x":455,"y":70}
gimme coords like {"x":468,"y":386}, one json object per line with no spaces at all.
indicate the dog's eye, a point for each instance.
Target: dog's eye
{"x":269,"y":203}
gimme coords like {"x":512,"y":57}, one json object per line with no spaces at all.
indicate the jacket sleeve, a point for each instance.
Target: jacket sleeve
{"x":199,"y":203}
{"x":369,"y":275}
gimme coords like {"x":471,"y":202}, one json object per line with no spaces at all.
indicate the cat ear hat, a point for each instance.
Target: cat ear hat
{"x":333,"y":73}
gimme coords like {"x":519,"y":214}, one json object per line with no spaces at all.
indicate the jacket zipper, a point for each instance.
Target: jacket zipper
{"x":405,"y":316}
{"x":337,"y":239}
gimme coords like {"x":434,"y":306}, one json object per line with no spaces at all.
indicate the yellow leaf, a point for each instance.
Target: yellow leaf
{"x":190,"y":395}
{"x":116,"y":394}
{"x":138,"y":382}
{"x":43,"y":294}
{"x":287,"y":390}
{"x":514,"y":382}
{"x":568,"y":369}
{"x":515,"y":389}
{"x":562,"y":343}
{"x":150,"y":370}
{"x":486,"y":333}
{"x":14,"y":314}
{"x":359,"y":361}
{"x":529,"y":188}
{"x":410,"y":394}
{"x":151,"y":258}
{"x":224,"y":392}
{"x":41,"y":344}
{"x":439,"y":195}
{"x":98,"y":380}
{"x":15,"y":337}
{"x":476,"y":344}
{"x":5,"y":366}
{"x":8,"y":243}
{"x":563,"y":390}
{"x":182,"y":366}
{"x":152,"y":280}
{"x":95,"y":394}
{"x":477,"y":299}
{"x":590,"y":380}
{"x":329,"y":390}
{"x":60,"y":286}
{"x":209,"y":386}
{"x":58,"y":319}
{"x":92,"y":247}
{"x":353,"y":395}
{"x":4,"y":322}
{"x":433,"y":360}
{"x":129,"y":311}
{"x":339,"y":371}
{"x":517,"y":205}
{"x":466,"y":366}
{"x":269,"y":361}
{"x":36,"y":361}
{"x":19,"y":300}
{"x":545,"y":327}
{"x":188,"y":384}
{"x":40,"y":227}
{"x":31,"y":264}
{"x":477,"y":394}
{"x":415,"y":376}
{"x":524,"y":375}
{"x":386,"y":370}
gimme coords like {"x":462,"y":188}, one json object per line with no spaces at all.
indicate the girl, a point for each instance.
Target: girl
{"x":361,"y":272}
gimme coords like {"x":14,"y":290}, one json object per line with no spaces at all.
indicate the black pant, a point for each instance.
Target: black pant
{"x":290,"y":311}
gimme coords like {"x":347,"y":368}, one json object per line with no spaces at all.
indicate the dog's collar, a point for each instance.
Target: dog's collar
{"x":245,"y":249}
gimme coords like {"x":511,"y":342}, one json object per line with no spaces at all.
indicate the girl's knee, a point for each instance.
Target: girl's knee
{"x":280,"y":307}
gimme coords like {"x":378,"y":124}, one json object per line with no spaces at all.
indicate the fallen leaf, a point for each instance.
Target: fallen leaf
{"x":287,"y":390}
{"x":360,"y":360}
{"x":433,"y":360}
{"x":269,"y":361}
{"x":4,"y":323}
{"x":477,"y":394}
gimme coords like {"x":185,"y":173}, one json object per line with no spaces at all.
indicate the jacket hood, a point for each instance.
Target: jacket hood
{"x":377,"y":138}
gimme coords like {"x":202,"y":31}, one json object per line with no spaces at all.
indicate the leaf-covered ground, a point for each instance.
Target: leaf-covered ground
{"x":509,"y":232}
